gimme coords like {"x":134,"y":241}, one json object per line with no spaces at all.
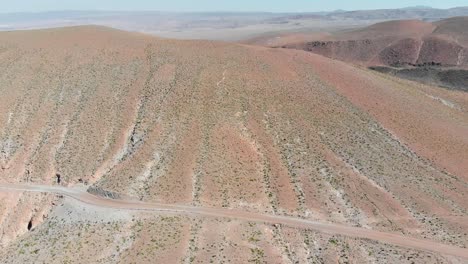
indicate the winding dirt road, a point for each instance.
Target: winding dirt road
{"x":389,"y":238}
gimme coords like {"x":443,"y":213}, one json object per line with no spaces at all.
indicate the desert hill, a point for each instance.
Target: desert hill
{"x":455,"y":28}
{"x":397,"y":43}
{"x":221,"y":125}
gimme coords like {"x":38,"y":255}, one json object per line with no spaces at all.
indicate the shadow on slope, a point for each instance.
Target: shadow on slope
{"x":453,"y":79}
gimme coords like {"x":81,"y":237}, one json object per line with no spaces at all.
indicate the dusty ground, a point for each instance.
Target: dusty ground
{"x":128,"y":205}
{"x":141,"y":237}
{"x":220,"y":125}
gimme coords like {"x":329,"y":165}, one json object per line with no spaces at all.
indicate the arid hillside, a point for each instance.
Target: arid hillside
{"x":396,"y":43}
{"x":212,"y":125}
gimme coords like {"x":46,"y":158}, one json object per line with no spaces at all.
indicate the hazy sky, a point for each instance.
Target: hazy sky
{"x":217,"y":5}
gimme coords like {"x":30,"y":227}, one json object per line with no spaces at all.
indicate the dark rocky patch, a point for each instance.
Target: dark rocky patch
{"x":454,"y":79}
{"x":30,"y":225}
{"x":103,"y":193}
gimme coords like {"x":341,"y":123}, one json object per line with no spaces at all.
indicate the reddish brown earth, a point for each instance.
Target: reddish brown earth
{"x":394,"y":43}
{"x":203,"y":124}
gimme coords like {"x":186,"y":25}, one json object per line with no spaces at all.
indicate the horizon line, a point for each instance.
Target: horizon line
{"x":223,"y":11}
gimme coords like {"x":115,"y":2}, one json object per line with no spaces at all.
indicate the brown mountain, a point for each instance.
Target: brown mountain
{"x":396,"y":43}
{"x":222,"y":152}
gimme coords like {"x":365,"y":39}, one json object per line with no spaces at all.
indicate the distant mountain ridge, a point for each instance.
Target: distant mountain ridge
{"x":418,"y":12}
{"x":211,"y":25}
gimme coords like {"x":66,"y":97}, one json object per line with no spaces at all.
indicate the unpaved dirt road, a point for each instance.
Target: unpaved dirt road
{"x":390,"y":238}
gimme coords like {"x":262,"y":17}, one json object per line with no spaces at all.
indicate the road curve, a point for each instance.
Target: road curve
{"x":389,"y":238}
